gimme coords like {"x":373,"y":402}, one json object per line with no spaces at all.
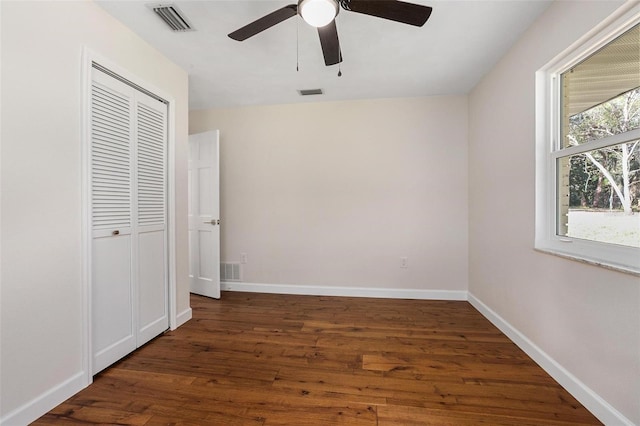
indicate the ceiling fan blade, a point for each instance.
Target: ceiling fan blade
{"x":264,"y":23}
{"x":394,"y":10}
{"x":330,"y":43}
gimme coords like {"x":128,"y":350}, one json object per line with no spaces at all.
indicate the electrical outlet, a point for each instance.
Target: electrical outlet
{"x":243,"y":258}
{"x":404,"y":262}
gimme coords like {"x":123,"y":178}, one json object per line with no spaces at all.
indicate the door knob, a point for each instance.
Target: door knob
{"x":213,"y":222}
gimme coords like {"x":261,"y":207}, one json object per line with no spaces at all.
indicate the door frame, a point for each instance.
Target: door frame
{"x":89,"y":57}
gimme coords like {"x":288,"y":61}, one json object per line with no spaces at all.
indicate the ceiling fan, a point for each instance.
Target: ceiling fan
{"x":322,"y":13}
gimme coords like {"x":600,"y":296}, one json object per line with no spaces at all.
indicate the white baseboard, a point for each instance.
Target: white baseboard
{"x":183,"y":317}
{"x":387,"y":293}
{"x":40,"y":405}
{"x":587,"y":397}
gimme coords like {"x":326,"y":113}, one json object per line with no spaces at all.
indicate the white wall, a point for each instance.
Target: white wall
{"x":333,"y":194}
{"x":42,"y":302}
{"x":585,"y":318}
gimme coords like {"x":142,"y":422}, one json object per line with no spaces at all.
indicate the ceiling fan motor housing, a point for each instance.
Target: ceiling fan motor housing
{"x":345,"y":4}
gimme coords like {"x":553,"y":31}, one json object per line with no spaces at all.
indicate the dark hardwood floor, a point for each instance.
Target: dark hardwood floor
{"x":261,"y":359}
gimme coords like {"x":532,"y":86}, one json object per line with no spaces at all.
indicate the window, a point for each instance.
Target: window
{"x":588,"y":157}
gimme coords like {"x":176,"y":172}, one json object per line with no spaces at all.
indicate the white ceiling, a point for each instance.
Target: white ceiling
{"x":460,"y":42}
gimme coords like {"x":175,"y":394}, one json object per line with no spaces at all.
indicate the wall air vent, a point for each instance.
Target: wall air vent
{"x":172,"y":16}
{"x":309,"y":92}
{"x":230,"y":271}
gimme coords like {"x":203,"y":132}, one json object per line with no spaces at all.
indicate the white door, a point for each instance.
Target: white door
{"x":129,"y":285}
{"x":204,"y":214}
{"x":112,"y":122}
{"x":151,"y":254}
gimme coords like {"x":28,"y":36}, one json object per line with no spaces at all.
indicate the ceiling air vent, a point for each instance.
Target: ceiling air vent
{"x":309,"y":92}
{"x":172,"y":16}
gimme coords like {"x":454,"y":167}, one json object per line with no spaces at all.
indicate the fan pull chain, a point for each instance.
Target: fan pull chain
{"x":297,"y":49}
{"x":339,"y":52}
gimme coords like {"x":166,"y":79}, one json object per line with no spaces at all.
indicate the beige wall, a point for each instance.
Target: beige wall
{"x":333,"y":194}
{"x":585,"y":318}
{"x":42,"y":290}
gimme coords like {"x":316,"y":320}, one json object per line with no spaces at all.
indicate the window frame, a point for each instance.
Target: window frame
{"x":549,"y":150}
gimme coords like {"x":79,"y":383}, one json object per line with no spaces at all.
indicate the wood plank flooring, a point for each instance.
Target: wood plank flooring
{"x":261,"y":359}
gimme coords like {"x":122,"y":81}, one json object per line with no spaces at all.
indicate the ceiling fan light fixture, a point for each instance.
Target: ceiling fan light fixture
{"x":318,"y":13}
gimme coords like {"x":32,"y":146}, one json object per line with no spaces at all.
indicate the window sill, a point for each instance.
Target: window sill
{"x":603,"y":264}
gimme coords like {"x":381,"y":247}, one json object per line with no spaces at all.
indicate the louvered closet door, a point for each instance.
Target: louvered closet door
{"x":112,"y":126}
{"x":128,"y":214}
{"x":151,"y":136}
